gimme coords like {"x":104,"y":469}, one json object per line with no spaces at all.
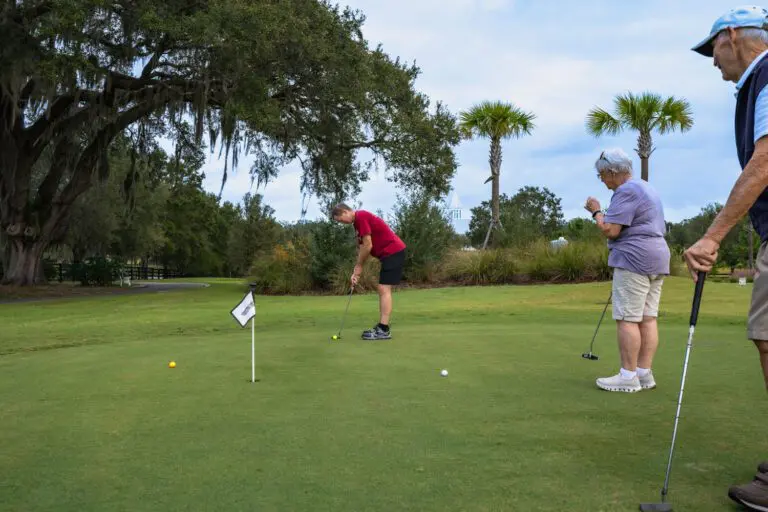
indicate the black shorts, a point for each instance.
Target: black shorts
{"x":392,"y":268}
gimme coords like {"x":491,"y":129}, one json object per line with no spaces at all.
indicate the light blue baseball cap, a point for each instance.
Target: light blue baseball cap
{"x":740,"y":17}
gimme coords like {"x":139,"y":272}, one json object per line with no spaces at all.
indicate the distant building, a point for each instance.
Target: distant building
{"x":459,"y":216}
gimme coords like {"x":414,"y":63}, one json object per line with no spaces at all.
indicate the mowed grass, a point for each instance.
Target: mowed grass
{"x":91,"y":417}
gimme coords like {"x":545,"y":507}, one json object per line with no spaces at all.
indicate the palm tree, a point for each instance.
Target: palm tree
{"x":644,"y":113}
{"x":495,"y":120}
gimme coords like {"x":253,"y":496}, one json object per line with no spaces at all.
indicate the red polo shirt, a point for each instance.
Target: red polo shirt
{"x":385,"y":242}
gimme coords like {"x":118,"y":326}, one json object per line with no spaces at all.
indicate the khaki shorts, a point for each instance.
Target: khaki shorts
{"x":635,"y":295}
{"x":757,"y":324}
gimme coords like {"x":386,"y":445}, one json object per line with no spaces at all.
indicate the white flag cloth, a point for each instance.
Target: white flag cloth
{"x":244,"y":311}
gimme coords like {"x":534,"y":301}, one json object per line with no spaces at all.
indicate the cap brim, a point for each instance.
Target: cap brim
{"x":705,"y":47}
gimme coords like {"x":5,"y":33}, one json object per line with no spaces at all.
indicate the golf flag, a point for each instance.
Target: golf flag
{"x":245,"y":310}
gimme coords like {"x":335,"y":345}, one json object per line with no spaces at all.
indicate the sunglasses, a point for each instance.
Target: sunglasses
{"x":602,"y":157}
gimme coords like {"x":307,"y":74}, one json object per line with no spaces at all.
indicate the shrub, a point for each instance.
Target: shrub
{"x":368,"y":282}
{"x":426,"y":230}
{"x":538,"y":262}
{"x":332,"y":245}
{"x":494,"y":266}
{"x":283,"y":271}
{"x":96,"y":271}
{"x":577,"y":261}
{"x":50,"y":269}
{"x":677,"y":266}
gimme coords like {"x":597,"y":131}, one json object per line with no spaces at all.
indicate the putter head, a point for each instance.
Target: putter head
{"x":656,"y":507}
{"x":590,"y":356}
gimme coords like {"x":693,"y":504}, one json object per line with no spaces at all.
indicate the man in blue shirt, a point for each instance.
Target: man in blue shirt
{"x":738,"y":44}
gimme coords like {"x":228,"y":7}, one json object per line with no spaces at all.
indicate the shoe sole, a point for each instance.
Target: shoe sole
{"x":375,"y":339}
{"x":750,"y":506}
{"x":621,"y":389}
{"x":648,"y":387}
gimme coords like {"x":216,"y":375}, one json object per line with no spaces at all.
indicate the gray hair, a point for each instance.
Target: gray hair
{"x":748,"y":33}
{"x":615,"y":161}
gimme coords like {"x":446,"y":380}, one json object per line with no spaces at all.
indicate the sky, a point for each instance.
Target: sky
{"x":557,"y":60}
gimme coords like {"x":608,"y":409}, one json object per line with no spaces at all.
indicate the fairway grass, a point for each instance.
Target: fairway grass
{"x":92,"y":418}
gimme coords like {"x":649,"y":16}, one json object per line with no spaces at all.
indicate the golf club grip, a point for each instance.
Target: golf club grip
{"x":697,"y":297}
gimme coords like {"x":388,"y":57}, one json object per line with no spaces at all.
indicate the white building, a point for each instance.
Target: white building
{"x":459,"y":215}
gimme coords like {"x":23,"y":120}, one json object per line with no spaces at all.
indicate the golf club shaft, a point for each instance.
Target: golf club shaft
{"x":677,"y":414}
{"x":600,"y":321}
{"x":694,"y":317}
{"x":346,"y":309}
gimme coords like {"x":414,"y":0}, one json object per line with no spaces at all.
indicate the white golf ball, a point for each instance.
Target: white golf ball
{"x":444,"y":373}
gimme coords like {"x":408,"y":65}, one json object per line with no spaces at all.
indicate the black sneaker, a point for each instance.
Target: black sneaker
{"x":376,"y":333}
{"x":753,"y":495}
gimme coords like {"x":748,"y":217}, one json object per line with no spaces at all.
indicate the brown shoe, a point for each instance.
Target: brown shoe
{"x":753,"y":495}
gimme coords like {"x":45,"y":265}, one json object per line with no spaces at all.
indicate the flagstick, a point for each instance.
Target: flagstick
{"x":253,"y":349}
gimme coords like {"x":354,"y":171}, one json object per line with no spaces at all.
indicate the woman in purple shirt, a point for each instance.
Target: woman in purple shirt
{"x":639,"y":255}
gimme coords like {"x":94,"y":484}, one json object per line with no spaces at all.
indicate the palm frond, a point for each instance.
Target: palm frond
{"x":600,"y":122}
{"x":638,"y":112}
{"x":675,"y":114}
{"x":496,"y":119}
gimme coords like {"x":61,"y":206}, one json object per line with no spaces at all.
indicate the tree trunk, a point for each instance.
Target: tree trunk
{"x":495,"y":161}
{"x":24,"y":265}
{"x":644,"y":150}
{"x":495,"y":205}
{"x":5,"y":253}
{"x":750,"y":237}
{"x":644,"y":168}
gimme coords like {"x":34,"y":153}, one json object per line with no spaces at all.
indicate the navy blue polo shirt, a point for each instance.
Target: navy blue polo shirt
{"x":751,"y":124}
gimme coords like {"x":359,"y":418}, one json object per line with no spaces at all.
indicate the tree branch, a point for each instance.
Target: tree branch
{"x":60,"y":163}
{"x":58,"y":109}
{"x":155,"y":59}
{"x":81,"y":179}
{"x":360,"y":145}
{"x":26,"y":91}
{"x":33,"y":12}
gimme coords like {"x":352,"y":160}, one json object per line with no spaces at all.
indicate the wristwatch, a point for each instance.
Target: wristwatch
{"x":596,"y":212}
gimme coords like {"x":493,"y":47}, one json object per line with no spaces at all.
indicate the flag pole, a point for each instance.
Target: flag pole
{"x":253,"y":337}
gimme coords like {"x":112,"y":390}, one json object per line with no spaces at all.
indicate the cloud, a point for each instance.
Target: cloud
{"x":557,"y":60}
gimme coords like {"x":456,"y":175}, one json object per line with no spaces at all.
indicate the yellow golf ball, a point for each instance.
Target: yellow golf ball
{"x":172,"y":364}
{"x":335,"y":337}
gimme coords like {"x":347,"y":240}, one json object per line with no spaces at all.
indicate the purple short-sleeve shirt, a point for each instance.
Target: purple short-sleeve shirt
{"x":640,"y":247}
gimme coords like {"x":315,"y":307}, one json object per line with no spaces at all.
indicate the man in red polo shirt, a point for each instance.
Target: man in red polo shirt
{"x":375,"y":239}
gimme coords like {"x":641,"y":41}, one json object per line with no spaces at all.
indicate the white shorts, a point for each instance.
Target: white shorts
{"x":635,"y":295}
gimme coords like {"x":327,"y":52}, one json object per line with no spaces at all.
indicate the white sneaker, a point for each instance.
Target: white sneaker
{"x":618,"y":383}
{"x":647,"y":382}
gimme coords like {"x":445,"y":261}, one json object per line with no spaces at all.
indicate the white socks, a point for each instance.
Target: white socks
{"x":626,"y":374}
{"x":641,"y":372}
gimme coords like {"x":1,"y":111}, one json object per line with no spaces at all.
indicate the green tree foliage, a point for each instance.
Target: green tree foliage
{"x":734,"y":250}
{"x":102,"y":222}
{"x":425,"y":228}
{"x":529,"y":215}
{"x":332,"y":247}
{"x":252,"y":229}
{"x":580,"y":229}
{"x":274,"y":81}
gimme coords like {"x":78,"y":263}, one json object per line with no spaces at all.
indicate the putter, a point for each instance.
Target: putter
{"x":589,"y":355}
{"x":343,"y":318}
{"x":665,"y":506}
